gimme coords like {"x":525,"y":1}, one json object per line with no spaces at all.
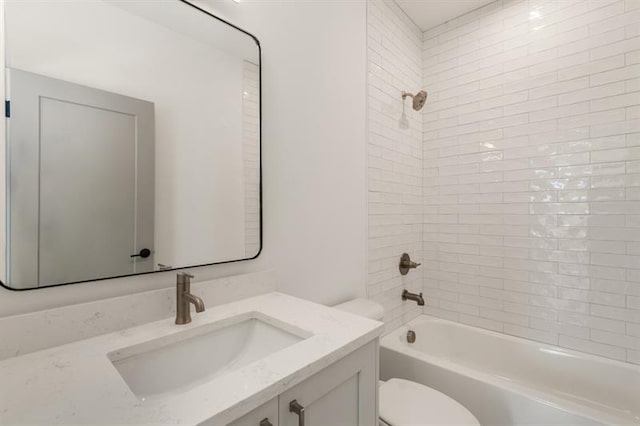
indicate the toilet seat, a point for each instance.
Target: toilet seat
{"x":406,"y":403}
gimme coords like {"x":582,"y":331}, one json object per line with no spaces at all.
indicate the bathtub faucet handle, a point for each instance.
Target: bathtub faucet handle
{"x":406,"y":263}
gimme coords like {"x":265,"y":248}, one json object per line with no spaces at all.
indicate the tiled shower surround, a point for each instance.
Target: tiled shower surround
{"x":394,"y":158}
{"x":526,"y":212}
{"x":532,"y":172}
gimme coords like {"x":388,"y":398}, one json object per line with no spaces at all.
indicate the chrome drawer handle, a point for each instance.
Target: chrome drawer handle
{"x":265,"y":422}
{"x":295,"y":407}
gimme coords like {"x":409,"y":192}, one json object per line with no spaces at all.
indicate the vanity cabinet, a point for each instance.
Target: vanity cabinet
{"x":343,"y":394}
{"x":238,"y":364}
{"x":264,"y":415}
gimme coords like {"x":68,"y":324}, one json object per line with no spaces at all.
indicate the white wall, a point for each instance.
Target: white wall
{"x":394,"y":159}
{"x":314,"y":92}
{"x":314,"y":158}
{"x":532,"y":162}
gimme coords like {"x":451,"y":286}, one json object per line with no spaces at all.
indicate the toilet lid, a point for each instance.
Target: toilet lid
{"x":405,"y":403}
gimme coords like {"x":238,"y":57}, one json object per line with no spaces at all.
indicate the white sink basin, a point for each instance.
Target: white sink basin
{"x":184,"y":360}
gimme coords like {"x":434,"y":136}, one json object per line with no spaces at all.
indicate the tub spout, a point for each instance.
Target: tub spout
{"x":412,"y":296}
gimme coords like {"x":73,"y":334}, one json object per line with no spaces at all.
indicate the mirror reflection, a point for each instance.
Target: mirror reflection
{"x":117,"y":165}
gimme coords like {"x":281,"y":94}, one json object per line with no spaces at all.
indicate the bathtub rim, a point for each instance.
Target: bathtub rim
{"x":393,"y":341}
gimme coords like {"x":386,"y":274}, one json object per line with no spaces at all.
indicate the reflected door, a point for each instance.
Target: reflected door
{"x":94,"y":183}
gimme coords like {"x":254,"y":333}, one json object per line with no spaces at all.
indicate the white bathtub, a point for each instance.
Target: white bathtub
{"x":505,"y":380}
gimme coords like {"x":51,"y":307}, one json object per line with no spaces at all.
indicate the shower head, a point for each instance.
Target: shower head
{"x":418,"y":99}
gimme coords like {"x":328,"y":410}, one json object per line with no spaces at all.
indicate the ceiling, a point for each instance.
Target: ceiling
{"x":430,"y":13}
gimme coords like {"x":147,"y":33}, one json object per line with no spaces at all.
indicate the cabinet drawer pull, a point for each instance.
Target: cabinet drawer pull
{"x":295,"y":407}
{"x":265,"y":422}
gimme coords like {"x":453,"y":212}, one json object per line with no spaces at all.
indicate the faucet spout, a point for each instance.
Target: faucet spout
{"x":197,"y":302}
{"x":412,"y":296}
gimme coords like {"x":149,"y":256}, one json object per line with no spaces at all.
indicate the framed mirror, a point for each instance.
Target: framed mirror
{"x":132,"y":140}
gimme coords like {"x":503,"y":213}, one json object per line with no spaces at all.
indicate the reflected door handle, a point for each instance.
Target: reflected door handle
{"x":265,"y":422}
{"x":295,"y":407}
{"x":144,"y":253}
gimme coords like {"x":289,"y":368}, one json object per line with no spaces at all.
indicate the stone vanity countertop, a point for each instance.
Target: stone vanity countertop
{"x":77,"y":382}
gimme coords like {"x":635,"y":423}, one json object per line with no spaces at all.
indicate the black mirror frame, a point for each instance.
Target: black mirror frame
{"x":261,"y":233}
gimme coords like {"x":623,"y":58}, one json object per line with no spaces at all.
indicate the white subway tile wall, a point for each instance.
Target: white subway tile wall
{"x":531,"y":171}
{"x":394,"y":159}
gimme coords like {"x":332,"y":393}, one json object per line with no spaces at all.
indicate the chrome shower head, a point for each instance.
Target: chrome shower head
{"x":419,"y":99}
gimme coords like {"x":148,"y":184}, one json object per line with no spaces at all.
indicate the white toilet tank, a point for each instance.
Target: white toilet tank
{"x":363,"y":307}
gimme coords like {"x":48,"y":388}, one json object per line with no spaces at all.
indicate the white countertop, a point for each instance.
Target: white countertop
{"x":77,"y":383}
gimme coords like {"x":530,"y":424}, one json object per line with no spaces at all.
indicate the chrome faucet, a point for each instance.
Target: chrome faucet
{"x":412,"y":296}
{"x":184,"y":298}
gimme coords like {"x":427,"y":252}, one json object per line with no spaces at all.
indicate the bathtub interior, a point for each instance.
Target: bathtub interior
{"x":489,"y":403}
{"x":560,"y":375}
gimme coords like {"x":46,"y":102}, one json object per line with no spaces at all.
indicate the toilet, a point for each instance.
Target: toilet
{"x":407,"y":403}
